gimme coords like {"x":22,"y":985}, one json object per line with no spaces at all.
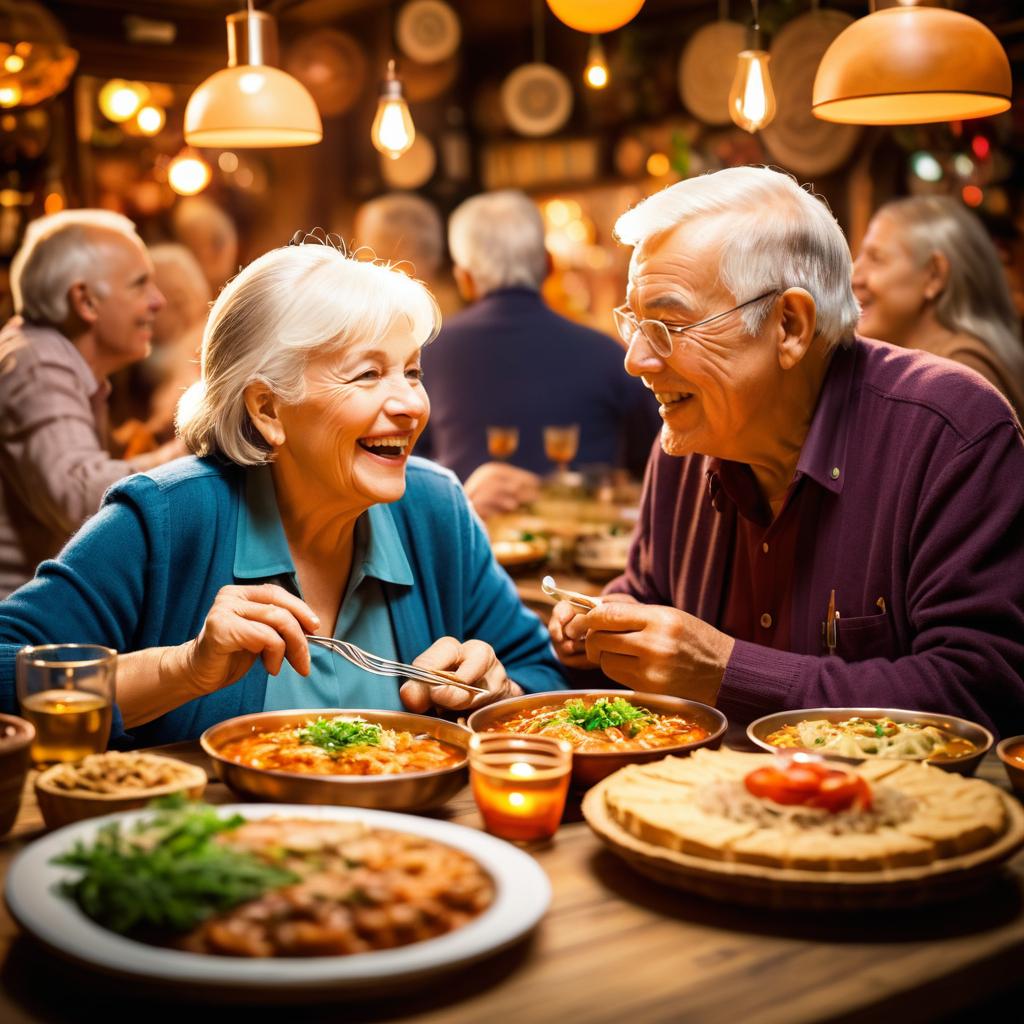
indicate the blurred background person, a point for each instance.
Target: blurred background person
{"x":145,"y":394}
{"x":86,"y":303}
{"x":401,"y":227}
{"x":204,"y":228}
{"x":929,"y":277}
{"x":509,"y":360}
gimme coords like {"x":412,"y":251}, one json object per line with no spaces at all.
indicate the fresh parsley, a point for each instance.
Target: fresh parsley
{"x":607,"y":714}
{"x":168,"y":873}
{"x":336,"y":735}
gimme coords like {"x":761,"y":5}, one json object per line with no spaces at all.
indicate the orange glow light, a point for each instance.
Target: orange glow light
{"x":972,"y":195}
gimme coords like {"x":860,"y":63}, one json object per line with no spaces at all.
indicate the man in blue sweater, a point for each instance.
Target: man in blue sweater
{"x":508,"y":360}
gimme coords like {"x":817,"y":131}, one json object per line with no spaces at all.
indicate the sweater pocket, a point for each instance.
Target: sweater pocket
{"x":866,"y":636}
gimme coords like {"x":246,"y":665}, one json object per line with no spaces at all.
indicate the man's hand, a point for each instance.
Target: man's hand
{"x":653,"y":648}
{"x":572,"y":652}
{"x":496,"y":487}
{"x":472,"y":662}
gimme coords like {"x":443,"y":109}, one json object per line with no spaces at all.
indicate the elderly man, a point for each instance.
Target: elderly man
{"x":85,"y":299}
{"x":830,"y":520}
{"x":508,"y":360}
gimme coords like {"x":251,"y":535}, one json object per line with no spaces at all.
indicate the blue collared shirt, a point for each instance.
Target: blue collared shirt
{"x":262,"y":556}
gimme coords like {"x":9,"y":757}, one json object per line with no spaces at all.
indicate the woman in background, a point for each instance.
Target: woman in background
{"x":928,"y":277}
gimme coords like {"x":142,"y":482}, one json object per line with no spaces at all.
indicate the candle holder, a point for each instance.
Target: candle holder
{"x":519,"y":783}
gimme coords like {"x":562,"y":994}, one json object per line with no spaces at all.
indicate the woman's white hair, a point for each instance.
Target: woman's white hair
{"x":780,"y":236}
{"x":976,"y":299}
{"x":285,"y":307}
{"x":60,"y":250}
{"x":499,"y":238}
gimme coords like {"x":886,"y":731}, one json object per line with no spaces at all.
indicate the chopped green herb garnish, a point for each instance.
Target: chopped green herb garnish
{"x":169,"y":872}
{"x":879,"y":731}
{"x":607,"y":714}
{"x":336,"y":735}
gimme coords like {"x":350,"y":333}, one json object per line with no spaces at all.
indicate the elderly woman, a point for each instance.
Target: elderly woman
{"x":303,"y":514}
{"x":928,"y":277}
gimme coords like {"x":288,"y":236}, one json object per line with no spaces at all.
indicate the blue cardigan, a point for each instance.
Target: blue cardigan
{"x":144,"y":571}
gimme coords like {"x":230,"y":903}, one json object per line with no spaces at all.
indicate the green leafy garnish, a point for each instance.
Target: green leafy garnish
{"x":336,"y":735}
{"x":168,"y":873}
{"x":607,"y":714}
{"x":879,"y":731}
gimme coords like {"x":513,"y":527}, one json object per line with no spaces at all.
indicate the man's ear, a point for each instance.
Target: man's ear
{"x":263,"y":407}
{"x":465,"y":283}
{"x":796,"y":326}
{"x":82,"y":303}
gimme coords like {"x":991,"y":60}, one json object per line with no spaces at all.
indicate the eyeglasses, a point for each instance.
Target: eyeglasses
{"x":659,"y":334}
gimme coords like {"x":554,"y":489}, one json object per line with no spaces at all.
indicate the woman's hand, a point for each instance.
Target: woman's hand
{"x":246,"y":623}
{"x":473,"y":662}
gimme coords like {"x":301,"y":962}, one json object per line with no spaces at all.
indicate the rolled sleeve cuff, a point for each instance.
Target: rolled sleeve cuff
{"x":758,"y":680}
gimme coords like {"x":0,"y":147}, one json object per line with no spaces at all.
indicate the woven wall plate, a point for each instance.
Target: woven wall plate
{"x":796,"y":139}
{"x":331,"y":65}
{"x":413,"y":168}
{"x":536,"y":99}
{"x":428,"y":31}
{"x":707,"y":67}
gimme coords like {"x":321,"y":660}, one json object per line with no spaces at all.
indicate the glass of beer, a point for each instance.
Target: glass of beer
{"x":502,"y":442}
{"x":67,"y":692}
{"x":561,"y":444}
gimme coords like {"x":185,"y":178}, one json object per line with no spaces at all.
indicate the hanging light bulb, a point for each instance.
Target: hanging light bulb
{"x":596,"y":72}
{"x":393,"y":131}
{"x":188,"y":173}
{"x":752,"y":98}
{"x":251,"y":103}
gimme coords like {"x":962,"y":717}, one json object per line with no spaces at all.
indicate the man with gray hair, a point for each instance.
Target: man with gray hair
{"x":84,"y":301}
{"x":509,"y":360}
{"x":830,"y":521}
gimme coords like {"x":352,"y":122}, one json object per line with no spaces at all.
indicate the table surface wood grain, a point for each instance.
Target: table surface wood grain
{"x":614,"y":947}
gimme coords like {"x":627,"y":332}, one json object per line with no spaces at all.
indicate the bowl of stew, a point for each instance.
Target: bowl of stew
{"x":855,"y":735}
{"x":1011,"y":753}
{"x":389,"y":760}
{"x":607,"y":729}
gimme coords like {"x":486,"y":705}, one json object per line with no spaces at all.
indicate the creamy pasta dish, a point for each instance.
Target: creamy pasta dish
{"x":873,"y":737}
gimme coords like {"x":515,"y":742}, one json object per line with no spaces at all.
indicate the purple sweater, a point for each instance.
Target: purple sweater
{"x":914,"y":493}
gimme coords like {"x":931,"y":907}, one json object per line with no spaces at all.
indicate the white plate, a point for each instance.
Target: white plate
{"x":522,"y":895}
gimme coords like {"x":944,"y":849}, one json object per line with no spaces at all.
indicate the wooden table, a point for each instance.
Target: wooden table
{"x":616,"y":947}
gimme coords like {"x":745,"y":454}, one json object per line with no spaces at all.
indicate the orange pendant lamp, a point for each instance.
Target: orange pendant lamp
{"x":251,"y":103}
{"x":912,"y":65}
{"x":595,"y":16}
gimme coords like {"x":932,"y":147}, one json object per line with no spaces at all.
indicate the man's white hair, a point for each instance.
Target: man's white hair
{"x":780,"y":236}
{"x":60,"y":250}
{"x":288,"y":305}
{"x":499,"y":238}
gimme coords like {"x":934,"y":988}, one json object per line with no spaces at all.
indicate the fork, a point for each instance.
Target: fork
{"x":385,"y":667}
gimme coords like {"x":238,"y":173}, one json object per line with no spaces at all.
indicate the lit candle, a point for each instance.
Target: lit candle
{"x":519,"y":799}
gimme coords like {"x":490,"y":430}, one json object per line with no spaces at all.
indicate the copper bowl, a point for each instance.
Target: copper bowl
{"x":1014,"y":765}
{"x":759,"y":730}
{"x":407,"y":791}
{"x":16,"y":736}
{"x":590,"y":768}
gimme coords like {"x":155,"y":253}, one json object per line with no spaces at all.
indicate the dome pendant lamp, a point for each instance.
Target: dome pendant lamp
{"x":912,"y":64}
{"x":251,"y":104}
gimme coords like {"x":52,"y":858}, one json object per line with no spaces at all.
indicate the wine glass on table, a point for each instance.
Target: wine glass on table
{"x":502,"y":442}
{"x":67,"y":692}
{"x":560,"y":445}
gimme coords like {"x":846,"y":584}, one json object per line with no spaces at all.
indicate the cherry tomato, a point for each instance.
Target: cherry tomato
{"x":809,"y":783}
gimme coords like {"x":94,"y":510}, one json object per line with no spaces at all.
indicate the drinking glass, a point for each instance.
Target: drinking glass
{"x":67,"y":692}
{"x":519,"y":783}
{"x":502,"y":442}
{"x":561,"y":444}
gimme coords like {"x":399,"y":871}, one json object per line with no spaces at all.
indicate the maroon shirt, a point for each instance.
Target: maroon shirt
{"x":911,"y":489}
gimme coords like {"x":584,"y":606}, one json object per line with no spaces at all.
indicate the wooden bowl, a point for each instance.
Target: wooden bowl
{"x":592,"y":767}
{"x":61,"y":806}
{"x":1014,"y":767}
{"x":16,"y":736}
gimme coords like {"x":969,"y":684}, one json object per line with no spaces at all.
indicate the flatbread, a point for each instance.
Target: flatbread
{"x":941,"y":815}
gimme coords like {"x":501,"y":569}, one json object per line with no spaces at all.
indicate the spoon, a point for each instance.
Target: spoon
{"x":576,"y":599}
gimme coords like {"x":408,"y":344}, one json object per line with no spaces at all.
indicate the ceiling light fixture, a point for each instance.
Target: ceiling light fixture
{"x":912,"y":65}
{"x":393,"y":131}
{"x":250,"y":103}
{"x":752,"y":98}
